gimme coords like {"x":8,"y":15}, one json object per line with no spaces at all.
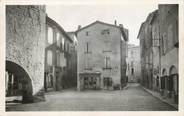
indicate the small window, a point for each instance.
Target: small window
{"x":164,"y":43}
{"x":68,"y":47}
{"x":107,"y":63}
{"x":132,"y":71}
{"x":87,"y":48}
{"x":62,"y":43}
{"x":105,"y":32}
{"x":58,"y":58}
{"x":87,"y":33}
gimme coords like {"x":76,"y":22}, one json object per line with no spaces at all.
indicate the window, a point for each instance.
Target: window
{"x":176,"y":34}
{"x":65,"y":46}
{"x":63,"y":43}
{"x":170,"y":37}
{"x":105,"y":32}
{"x":88,"y":65}
{"x":87,"y":33}
{"x":87,"y":48}
{"x":68,"y":47}
{"x":132,"y":71}
{"x":107,"y":63}
{"x":164,"y":43}
{"x":50,"y":35}
{"x":58,"y":57}
{"x":49,"y":57}
{"x":58,"y":39}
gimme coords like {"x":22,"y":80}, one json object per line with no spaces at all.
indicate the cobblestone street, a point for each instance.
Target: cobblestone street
{"x":133,"y":98}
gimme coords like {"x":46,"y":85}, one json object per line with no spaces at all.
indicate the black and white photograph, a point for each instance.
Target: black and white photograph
{"x":92,"y":57}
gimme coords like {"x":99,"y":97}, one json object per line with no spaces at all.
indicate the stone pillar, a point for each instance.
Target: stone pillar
{"x":25,"y":42}
{"x":78,"y":83}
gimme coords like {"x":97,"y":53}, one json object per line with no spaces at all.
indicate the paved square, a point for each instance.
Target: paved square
{"x":134,"y":98}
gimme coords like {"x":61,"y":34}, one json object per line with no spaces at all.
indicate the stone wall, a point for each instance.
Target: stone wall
{"x":168,"y":31}
{"x":25,"y":41}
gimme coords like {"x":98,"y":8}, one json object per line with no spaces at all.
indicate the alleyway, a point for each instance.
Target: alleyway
{"x":134,"y":98}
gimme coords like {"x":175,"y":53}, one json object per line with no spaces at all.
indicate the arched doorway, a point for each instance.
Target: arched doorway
{"x":173,"y":79}
{"x":163,"y":81}
{"x":157,"y":84}
{"x":18,"y":82}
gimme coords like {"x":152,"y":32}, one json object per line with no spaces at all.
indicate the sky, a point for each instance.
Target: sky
{"x":130,"y":15}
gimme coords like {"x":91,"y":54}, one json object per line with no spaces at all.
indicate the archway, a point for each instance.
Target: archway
{"x":164,"y":72}
{"x":173,"y":76}
{"x":18,"y":82}
{"x":163,"y":79}
{"x":173,"y":70}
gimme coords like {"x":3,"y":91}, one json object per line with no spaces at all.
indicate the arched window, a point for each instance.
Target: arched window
{"x":49,"y":57}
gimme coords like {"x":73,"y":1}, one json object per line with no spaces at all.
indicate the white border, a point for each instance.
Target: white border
{"x":91,"y":2}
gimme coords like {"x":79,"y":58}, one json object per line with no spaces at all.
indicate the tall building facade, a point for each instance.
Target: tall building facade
{"x":133,"y":63}
{"x":58,"y":52}
{"x":159,"y":51}
{"x":101,"y":56}
{"x":169,"y":50}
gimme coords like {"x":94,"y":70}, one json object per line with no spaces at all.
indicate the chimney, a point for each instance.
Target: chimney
{"x":121,"y":25}
{"x":115,"y":22}
{"x":79,"y":27}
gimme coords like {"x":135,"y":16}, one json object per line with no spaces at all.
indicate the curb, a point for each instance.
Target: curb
{"x":159,"y":98}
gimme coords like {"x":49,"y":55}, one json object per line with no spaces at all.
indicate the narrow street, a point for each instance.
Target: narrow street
{"x":133,"y":98}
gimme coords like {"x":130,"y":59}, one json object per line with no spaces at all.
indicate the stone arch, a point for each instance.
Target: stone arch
{"x":173,"y":74}
{"x":24,"y":80}
{"x":163,"y":79}
{"x":164,"y":72}
{"x":172,"y":70}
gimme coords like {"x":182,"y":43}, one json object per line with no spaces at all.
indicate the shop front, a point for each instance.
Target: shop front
{"x":90,"y":81}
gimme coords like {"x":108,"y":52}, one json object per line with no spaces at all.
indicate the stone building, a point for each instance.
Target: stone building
{"x":25,"y":36}
{"x":159,"y":51}
{"x":101,"y":56}
{"x":169,"y":50}
{"x":133,"y":63}
{"x":58,"y":51}
{"x":146,"y":51}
